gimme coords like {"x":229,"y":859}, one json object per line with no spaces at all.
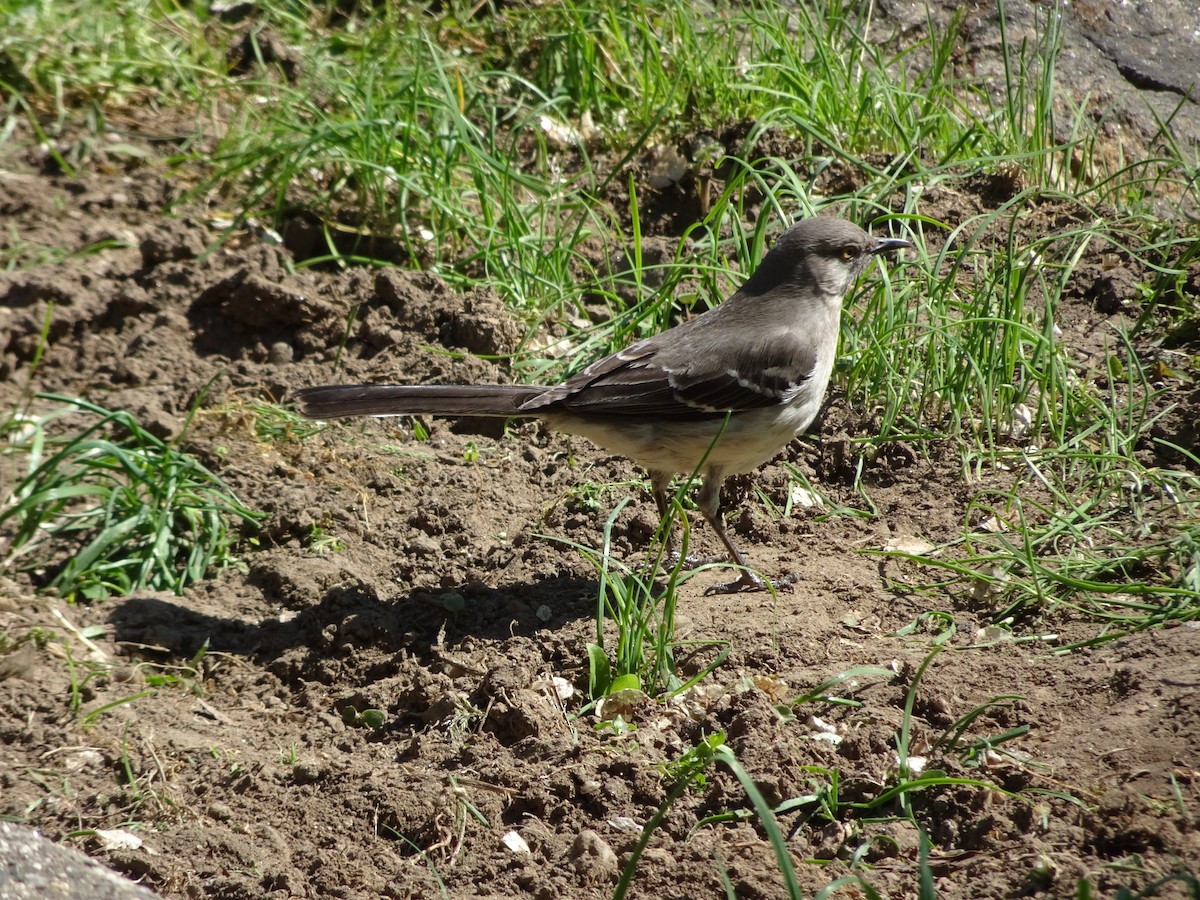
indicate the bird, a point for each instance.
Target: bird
{"x":721,"y":393}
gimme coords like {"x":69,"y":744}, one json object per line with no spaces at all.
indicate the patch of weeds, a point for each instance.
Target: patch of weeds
{"x":127,"y":775}
{"x":450,"y":825}
{"x":57,"y":788}
{"x":93,"y":716}
{"x":823,"y":693}
{"x":423,"y":855}
{"x":419,"y":432}
{"x":82,"y":674}
{"x":1183,"y":883}
{"x":1087,"y":524}
{"x":689,"y":772}
{"x":37,"y":636}
{"x":268,"y":422}
{"x":322,"y":543}
{"x":463,"y":720}
{"x":110,"y":508}
{"x":456,"y":831}
{"x":1119,"y":553}
{"x":105,"y":54}
{"x":590,"y":496}
{"x":616,"y":724}
{"x":802,"y":493}
{"x":18,"y":254}
{"x":913,"y":774}
{"x":978,"y":751}
{"x":642,"y":662}
{"x":190,"y":675}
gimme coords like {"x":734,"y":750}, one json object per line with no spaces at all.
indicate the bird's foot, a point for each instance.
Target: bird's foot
{"x":748,"y":581}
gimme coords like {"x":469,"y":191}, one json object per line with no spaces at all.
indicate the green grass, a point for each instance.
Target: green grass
{"x":108,"y":508}
{"x":690,"y":772}
{"x":507,"y":147}
{"x":640,"y":603}
{"x":1083,"y":515}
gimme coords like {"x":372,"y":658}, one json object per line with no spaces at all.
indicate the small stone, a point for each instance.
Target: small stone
{"x":593,"y":858}
{"x":281,"y":352}
{"x":220,"y":811}
{"x":307,"y":771}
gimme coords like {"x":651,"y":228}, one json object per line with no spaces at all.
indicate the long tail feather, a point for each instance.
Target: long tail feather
{"x":334,"y":401}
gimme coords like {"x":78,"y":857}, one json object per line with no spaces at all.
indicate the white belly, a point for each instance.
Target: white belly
{"x":750,"y":439}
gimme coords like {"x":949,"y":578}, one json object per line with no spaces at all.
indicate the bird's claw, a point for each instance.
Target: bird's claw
{"x":748,"y":581}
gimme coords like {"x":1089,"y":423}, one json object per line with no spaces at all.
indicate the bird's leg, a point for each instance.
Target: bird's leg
{"x":709,"y":501}
{"x":660,"y":482}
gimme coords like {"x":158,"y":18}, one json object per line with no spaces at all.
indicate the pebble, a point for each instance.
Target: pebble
{"x":593,"y":857}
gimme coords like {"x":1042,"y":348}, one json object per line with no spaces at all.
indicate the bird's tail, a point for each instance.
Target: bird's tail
{"x":333,"y":401}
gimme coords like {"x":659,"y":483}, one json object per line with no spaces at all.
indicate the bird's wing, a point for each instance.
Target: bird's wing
{"x":676,"y":381}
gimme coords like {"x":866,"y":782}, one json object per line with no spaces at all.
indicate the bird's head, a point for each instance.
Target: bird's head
{"x":823,"y":252}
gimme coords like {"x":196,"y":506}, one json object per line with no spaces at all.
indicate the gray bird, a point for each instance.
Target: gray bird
{"x":756,"y":366}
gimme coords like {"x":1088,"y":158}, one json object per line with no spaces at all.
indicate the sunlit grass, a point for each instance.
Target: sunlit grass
{"x":508,"y":147}
{"x":106,"y":507}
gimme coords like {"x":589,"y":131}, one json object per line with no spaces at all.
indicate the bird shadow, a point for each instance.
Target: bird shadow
{"x":350,"y":619}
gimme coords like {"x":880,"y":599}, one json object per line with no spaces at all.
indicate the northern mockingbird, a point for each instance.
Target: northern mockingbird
{"x":752,"y":370}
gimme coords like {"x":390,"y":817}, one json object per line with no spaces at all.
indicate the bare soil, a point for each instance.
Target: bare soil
{"x":448,"y":602}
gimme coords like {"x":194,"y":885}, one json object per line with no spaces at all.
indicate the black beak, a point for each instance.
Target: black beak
{"x":886,"y":245}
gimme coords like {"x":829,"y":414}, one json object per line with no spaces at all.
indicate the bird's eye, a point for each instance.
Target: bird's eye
{"x":847,"y":254}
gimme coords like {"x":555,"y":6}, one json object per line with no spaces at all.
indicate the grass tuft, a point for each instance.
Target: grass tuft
{"x":109,"y":508}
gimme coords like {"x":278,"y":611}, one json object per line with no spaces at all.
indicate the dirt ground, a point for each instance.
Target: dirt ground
{"x":441,"y":597}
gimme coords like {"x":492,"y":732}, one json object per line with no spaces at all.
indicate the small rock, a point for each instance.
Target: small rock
{"x":593,"y":858}
{"x":220,"y":811}
{"x":281,"y":352}
{"x":659,"y":856}
{"x":307,"y":771}
{"x":18,"y":664}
